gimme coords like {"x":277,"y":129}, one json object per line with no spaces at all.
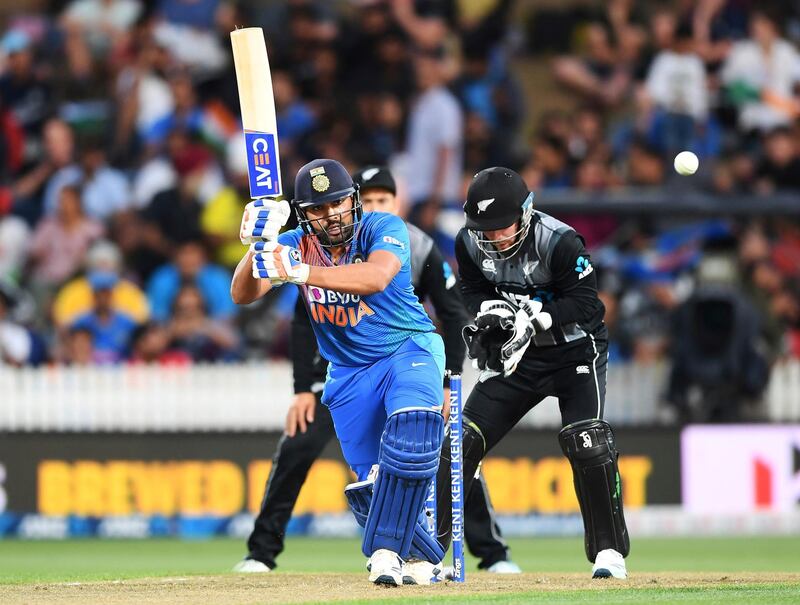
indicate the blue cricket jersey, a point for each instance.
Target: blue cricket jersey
{"x":355,"y":330}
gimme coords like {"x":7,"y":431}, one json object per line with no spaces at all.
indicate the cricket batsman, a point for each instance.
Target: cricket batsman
{"x":309,"y":426}
{"x":538,"y":331}
{"x":386,"y":370}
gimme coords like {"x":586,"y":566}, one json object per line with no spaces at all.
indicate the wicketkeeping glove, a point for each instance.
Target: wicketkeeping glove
{"x":501,"y":335}
{"x":278,"y":263}
{"x":263,"y":219}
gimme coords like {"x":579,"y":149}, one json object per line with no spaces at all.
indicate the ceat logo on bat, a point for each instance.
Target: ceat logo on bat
{"x":262,"y":163}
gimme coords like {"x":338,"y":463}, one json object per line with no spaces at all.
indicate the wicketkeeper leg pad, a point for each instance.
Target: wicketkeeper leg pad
{"x":589,"y":446}
{"x":408,"y":461}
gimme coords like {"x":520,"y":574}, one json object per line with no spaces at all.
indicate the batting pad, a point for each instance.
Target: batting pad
{"x":408,"y":460}
{"x":423,"y":545}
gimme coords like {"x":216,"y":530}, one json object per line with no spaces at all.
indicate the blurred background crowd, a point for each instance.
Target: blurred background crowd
{"x":123,"y":176}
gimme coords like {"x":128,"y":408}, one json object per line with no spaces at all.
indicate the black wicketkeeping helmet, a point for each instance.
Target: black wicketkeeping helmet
{"x":321,"y":182}
{"x":375,"y":177}
{"x":497,"y":198}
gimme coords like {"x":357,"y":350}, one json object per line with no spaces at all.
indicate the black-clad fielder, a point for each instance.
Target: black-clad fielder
{"x":538,"y":331}
{"x":298,"y":449}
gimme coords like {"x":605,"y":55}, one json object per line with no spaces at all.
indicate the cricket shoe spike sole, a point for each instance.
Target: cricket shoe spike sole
{"x":385,"y":567}
{"x":420,"y":572}
{"x":609,"y":564}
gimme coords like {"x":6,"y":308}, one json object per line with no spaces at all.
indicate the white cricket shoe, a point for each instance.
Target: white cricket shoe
{"x":385,"y":567}
{"x":251,"y":566}
{"x":609,"y":564}
{"x":421,"y":572}
{"x":504,"y":567}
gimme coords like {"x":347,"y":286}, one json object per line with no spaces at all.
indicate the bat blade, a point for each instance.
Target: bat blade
{"x":258,"y":111}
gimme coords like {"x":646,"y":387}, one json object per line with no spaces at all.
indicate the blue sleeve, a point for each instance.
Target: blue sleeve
{"x":215,"y":285}
{"x":389,"y":232}
{"x":161,"y":291}
{"x":291,"y":238}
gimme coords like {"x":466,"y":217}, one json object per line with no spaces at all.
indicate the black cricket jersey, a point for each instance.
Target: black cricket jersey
{"x":551,"y":266}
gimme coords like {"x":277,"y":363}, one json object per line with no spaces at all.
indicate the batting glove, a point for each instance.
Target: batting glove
{"x":263,"y":219}
{"x":278,"y":263}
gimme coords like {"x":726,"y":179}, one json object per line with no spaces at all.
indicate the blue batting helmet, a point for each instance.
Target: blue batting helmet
{"x":321,"y":182}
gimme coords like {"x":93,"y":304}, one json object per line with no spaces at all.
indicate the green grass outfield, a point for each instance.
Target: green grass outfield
{"x":26,"y":562}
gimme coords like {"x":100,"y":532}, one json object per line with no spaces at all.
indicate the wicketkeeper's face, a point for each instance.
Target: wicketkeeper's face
{"x":332,"y":222}
{"x":503,"y":239}
{"x":379,"y":200}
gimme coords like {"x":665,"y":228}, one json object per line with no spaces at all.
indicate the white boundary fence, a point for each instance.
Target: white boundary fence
{"x":255,"y":396}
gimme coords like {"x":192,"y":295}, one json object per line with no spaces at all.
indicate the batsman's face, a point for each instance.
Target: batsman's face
{"x":379,"y":200}
{"x":332,"y":222}
{"x":503,"y":239}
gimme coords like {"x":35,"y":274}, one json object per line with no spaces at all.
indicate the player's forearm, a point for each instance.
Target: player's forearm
{"x":244,"y":287}
{"x":360,"y":278}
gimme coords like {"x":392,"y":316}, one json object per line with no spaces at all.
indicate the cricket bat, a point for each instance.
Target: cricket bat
{"x":258,"y":112}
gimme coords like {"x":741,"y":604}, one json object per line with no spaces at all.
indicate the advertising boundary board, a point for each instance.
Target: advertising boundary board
{"x":113,"y":484}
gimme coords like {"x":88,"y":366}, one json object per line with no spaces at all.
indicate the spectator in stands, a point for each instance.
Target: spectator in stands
{"x":735,"y":173}
{"x":102,"y":23}
{"x":14,"y":242}
{"x":675,"y":96}
{"x":294,"y":115}
{"x":143,"y":95}
{"x":598,"y":75}
{"x":550,"y":155}
{"x":60,"y":242}
{"x":78,"y":349}
{"x":435,"y":142}
{"x":111,"y":330}
{"x":191,"y":267}
{"x":186,"y":114}
{"x":22,"y":90}
{"x":193,"y":331}
{"x":75,"y":297}
{"x":187,"y":29}
{"x":15,"y":341}
{"x":780,"y":167}
{"x":34,"y":189}
{"x":586,"y":135}
{"x":760,"y":75}
{"x":104,"y":189}
{"x":493,"y":103}
{"x":173,"y":216}
{"x":151,"y":344}
{"x":645,"y":166}
{"x":222,"y":216}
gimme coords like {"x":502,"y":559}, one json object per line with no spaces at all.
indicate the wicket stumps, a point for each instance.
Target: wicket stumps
{"x":457,"y":479}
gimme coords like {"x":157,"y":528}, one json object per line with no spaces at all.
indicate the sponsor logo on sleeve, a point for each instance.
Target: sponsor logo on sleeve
{"x":394,"y":241}
{"x":583,"y":267}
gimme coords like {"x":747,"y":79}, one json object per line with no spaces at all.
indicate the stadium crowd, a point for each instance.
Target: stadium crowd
{"x":123,"y":177}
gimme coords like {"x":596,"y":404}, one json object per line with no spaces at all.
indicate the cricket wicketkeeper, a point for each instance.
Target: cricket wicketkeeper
{"x":538,"y":331}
